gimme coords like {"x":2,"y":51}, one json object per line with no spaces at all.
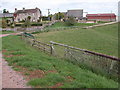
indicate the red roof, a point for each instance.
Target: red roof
{"x":111,"y":14}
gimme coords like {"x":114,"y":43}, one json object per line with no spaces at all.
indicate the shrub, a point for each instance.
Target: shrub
{"x":4,"y":23}
{"x":22,"y":20}
{"x":36,"y":24}
{"x":18,"y":25}
{"x":70,"y":22}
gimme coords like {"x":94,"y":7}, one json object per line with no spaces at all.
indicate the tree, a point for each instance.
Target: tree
{"x":27,"y":22}
{"x":29,"y":17}
{"x":4,"y":11}
{"x":59,"y":16}
{"x":44,"y":18}
{"x":70,"y":22}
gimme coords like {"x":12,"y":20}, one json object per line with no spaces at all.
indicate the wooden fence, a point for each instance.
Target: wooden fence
{"x":93,"y":60}
{"x":47,"y":48}
{"x":96,"y":61}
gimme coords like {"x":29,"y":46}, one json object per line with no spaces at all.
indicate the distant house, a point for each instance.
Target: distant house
{"x":77,"y":13}
{"x":101,"y":17}
{"x":8,"y":16}
{"x":20,"y":15}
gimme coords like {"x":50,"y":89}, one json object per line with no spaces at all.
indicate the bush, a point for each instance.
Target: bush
{"x":70,"y":22}
{"x":22,"y":21}
{"x":18,"y":25}
{"x":36,"y":24}
{"x":4,"y":23}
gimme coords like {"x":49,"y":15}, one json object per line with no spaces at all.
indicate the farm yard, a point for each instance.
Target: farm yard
{"x":46,"y":71}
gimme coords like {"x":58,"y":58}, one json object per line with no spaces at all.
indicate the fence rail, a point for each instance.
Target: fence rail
{"x":103,"y":62}
{"x":94,"y":60}
{"x":94,"y":53}
{"x":47,"y":48}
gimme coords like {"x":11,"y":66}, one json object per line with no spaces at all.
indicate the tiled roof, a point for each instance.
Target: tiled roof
{"x":27,"y":11}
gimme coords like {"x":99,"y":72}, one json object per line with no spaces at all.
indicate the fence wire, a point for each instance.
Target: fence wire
{"x":93,"y":60}
{"x":106,"y":64}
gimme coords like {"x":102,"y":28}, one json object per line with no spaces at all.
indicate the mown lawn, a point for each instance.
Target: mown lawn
{"x":57,"y":72}
{"x":100,"y":39}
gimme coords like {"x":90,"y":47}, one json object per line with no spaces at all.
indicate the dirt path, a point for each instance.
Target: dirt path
{"x":8,"y":77}
{"x":3,"y":35}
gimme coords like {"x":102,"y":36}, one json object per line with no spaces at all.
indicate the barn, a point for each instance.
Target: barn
{"x":101,"y":17}
{"x":77,"y":13}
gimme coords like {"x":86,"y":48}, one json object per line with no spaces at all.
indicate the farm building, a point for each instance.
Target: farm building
{"x":101,"y":17}
{"x":77,"y":13}
{"x":20,"y":15}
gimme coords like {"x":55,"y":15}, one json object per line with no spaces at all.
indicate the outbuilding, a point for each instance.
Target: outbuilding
{"x":101,"y":17}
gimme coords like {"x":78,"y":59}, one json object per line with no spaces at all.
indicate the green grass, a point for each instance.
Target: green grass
{"x":62,"y":25}
{"x":32,"y":59}
{"x":100,"y":39}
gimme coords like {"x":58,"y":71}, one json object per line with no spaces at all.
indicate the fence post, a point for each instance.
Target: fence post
{"x":33,"y":42}
{"x":51,"y":49}
{"x":112,"y":64}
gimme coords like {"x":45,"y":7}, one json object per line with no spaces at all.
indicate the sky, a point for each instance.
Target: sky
{"x":89,"y":6}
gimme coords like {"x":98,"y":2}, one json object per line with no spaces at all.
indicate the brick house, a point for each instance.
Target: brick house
{"x":20,"y":15}
{"x":101,"y":17}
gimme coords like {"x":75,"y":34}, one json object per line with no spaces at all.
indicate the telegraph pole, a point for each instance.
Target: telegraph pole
{"x":58,"y":13}
{"x":48,"y":14}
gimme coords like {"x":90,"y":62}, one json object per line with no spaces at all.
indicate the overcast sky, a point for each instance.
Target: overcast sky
{"x":90,"y":6}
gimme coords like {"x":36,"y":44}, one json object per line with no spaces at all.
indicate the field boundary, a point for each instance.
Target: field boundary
{"x":96,"y":61}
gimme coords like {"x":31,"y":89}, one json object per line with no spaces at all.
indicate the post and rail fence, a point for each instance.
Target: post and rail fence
{"x":98,"y":61}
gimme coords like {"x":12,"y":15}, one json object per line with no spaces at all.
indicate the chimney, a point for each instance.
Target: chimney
{"x":23,"y":8}
{"x":36,"y":8}
{"x":15,"y":9}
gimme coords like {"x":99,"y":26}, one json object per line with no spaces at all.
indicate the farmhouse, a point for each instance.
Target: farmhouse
{"x":21,"y":15}
{"x":77,"y":13}
{"x":102,"y":17}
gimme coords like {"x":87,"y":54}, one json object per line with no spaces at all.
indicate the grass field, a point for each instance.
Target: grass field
{"x":62,"y":24}
{"x":100,"y":39}
{"x":57,"y":72}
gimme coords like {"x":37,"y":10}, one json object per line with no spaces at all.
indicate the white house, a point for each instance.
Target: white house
{"x":20,"y":15}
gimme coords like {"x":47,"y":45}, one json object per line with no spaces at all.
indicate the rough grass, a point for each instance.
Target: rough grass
{"x":33,"y":59}
{"x":100,"y":39}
